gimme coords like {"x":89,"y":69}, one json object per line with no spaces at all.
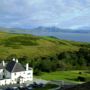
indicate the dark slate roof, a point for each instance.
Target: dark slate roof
{"x":1,"y":66}
{"x":14,"y":67}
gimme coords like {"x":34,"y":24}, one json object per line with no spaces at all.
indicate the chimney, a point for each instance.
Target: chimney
{"x":13,"y":59}
{"x":3,"y":62}
{"x":16,"y":60}
{"x":27,"y":67}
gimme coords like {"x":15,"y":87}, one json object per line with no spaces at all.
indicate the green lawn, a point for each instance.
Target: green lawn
{"x":64,"y":75}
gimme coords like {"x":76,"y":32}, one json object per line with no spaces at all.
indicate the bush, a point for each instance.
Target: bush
{"x":37,"y":72}
{"x":80,"y":73}
{"x":81,"y":78}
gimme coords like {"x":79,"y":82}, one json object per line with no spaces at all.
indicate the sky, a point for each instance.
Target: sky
{"x":70,"y":14}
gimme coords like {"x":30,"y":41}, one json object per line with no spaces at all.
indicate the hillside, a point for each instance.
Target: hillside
{"x":33,"y":46}
{"x":59,"y":54}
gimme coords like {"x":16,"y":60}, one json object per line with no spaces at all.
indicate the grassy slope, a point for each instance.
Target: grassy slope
{"x":65,"y":75}
{"x":38,"y":46}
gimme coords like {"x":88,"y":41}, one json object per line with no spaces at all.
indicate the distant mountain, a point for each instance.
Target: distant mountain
{"x":55,"y":29}
{"x":45,"y":29}
{"x":12,"y":30}
{"x":66,"y":34}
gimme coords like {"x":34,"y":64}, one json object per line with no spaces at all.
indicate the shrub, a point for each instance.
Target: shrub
{"x":81,"y":78}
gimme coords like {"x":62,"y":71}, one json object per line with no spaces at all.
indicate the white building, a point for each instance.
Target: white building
{"x":13,"y":72}
{"x":1,"y":70}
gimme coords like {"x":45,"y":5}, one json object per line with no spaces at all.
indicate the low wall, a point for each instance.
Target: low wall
{"x":7,"y":82}
{"x":10,"y":81}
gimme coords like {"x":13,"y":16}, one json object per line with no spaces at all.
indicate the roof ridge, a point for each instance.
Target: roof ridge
{"x":14,"y":66}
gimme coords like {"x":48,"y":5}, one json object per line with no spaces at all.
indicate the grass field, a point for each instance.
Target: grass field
{"x":65,"y":75}
{"x":33,"y":46}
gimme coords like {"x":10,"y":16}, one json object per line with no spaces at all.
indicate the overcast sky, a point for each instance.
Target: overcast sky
{"x":33,"y":13}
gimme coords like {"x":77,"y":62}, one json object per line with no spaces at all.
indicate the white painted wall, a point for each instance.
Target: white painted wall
{"x":27,"y":75}
{"x":1,"y":73}
{"x":7,"y":74}
{"x":6,"y":82}
{"x":24,"y":74}
{"x":15,"y":75}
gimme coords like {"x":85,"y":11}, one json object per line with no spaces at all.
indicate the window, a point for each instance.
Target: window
{"x":14,"y":73}
{"x":23,"y":72}
{"x":28,"y":73}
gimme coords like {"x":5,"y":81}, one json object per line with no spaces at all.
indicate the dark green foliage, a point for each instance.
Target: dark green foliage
{"x":16,"y":41}
{"x":61,"y":61}
{"x":84,"y":86}
{"x":85,"y":52}
{"x":55,"y":56}
{"x":23,"y":59}
{"x":11,"y":57}
{"x":37,"y":72}
{"x":81,"y":78}
{"x":77,"y":60}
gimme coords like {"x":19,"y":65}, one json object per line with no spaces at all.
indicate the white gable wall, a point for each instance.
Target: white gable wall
{"x":26,"y":75}
{"x":7,"y":74}
{"x":15,"y":75}
{"x":29,"y":75}
{"x":1,"y":73}
{"x":5,"y":82}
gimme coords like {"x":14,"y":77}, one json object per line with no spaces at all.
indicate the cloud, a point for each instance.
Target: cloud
{"x":34,"y":13}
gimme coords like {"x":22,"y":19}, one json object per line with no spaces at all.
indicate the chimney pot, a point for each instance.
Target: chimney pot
{"x":16,"y":60}
{"x":27,"y":67}
{"x":3,"y":62}
{"x":13,"y":59}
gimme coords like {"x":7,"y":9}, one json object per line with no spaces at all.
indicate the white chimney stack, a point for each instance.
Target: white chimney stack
{"x":3,"y":62}
{"x":27,"y":67}
{"x":16,"y":60}
{"x":13,"y":59}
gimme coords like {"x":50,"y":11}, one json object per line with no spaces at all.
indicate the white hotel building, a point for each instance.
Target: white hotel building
{"x":13,"y":72}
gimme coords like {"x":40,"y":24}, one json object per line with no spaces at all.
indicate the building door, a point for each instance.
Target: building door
{"x":20,"y":80}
